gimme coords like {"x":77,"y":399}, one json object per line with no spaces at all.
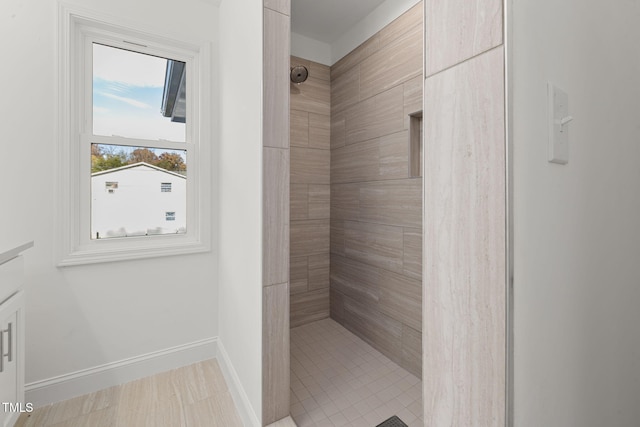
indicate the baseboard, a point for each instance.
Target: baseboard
{"x":240,"y":398}
{"x":63,"y":387}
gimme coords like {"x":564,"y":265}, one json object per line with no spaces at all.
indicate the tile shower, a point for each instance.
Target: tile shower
{"x":356,"y":227}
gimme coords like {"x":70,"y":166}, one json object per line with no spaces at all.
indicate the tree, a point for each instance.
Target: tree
{"x":171,"y":162}
{"x":143,"y":155}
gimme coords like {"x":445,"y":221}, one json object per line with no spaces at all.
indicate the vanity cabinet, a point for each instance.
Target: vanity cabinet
{"x":12,"y":315}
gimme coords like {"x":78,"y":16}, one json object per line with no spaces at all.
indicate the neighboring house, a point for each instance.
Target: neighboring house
{"x":136,"y":200}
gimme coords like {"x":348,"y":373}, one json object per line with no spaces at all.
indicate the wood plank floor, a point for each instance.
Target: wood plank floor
{"x":193,"y":396}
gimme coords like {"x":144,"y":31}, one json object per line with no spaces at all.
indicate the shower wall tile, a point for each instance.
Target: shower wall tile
{"x":338,"y":129}
{"x":299,"y":201}
{"x":319,"y":271}
{"x":319,"y":199}
{"x":355,"y":57}
{"x":309,"y":165}
{"x":394,"y":156}
{"x":396,"y":202}
{"x":309,"y":237}
{"x":310,"y":193}
{"x":345,"y":90}
{"x":392,"y":65}
{"x":299,"y":122}
{"x":309,"y":306}
{"x":312,"y":96}
{"x":282,"y":6}
{"x":377,"y":116}
{"x":275,"y":216}
{"x":356,"y":162}
{"x":374,"y":244}
{"x":412,"y":254}
{"x":396,"y":29}
{"x":276,"y":53}
{"x":337,"y":237}
{"x":319,"y":131}
{"x":412,"y":98}
{"x":401,"y":298}
{"x":299,"y":274}
{"x":345,"y":201}
{"x":355,"y":279}
{"x":457,"y":30}
{"x":412,"y":350}
{"x":276,"y":352}
{"x":376,"y":209}
{"x":465,"y":242}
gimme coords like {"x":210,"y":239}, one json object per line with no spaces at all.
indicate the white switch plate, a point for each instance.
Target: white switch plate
{"x":558,"y":110}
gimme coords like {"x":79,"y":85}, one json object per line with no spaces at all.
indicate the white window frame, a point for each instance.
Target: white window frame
{"x":78,"y":31}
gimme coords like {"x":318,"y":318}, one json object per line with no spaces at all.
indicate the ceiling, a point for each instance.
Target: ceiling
{"x":327,"y":20}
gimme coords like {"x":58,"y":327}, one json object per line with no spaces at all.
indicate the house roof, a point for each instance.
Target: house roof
{"x":135,"y":165}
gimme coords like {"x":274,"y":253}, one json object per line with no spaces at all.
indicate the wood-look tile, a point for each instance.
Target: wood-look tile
{"x":392,"y":65}
{"x":319,"y":271}
{"x":309,"y":237}
{"x":412,"y":254}
{"x":355,"y":279}
{"x":401,"y":298}
{"x":299,"y":200}
{"x":412,"y":350}
{"x":319,"y":71}
{"x":319,"y":201}
{"x":465,"y":240}
{"x":338,"y":129}
{"x":345,"y":90}
{"x":379,"y":115}
{"x":275,"y":350}
{"x":412,"y":98}
{"x":319,"y":131}
{"x":394,"y":156}
{"x":309,"y":306}
{"x":337,"y":237}
{"x":312,"y":96}
{"x":356,"y":162}
{"x":299,"y":274}
{"x":282,"y":6}
{"x":376,"y":328}
{"x":310,"y":166}
{"x":356,"y":56}
{"x":345,"y":201}
{"x":299,"y":128}
{"x":296,"y":60}
{"x":275,"y":215}
{"x":401,"y":25}
{"x":336,"y":305}
{"x":285,"y":422}
{"x":458,"y":30}
{"x":397,"y":202}
{"x":374,"y":244}
{"x":276,"y":81}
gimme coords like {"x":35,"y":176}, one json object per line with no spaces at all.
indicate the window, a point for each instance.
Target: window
{"x":131,"y":105}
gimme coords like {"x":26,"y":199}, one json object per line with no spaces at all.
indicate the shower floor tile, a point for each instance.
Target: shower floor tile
{"x":339,"y":380}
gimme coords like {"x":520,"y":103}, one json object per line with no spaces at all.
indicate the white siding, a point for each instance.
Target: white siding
{"x":137,"y":206}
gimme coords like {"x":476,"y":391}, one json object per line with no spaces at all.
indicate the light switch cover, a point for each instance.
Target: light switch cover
{"x":558,"y":122}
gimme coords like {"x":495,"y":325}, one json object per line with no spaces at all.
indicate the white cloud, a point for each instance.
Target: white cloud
{"x":126,"y":67}
{"x":129,"y":101}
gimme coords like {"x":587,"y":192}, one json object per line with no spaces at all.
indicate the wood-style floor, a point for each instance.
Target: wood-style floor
{"x":193,"y":396}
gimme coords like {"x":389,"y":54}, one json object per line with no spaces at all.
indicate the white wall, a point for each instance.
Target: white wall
{"x":577,"y":227}
{"x":240,"y":177}
{"x":83,"y":317}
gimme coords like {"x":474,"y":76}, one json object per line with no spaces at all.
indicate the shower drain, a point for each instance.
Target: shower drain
{"x":392,"y":422}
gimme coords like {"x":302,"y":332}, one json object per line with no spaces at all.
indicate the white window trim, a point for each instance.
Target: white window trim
{"x":73,"y":176}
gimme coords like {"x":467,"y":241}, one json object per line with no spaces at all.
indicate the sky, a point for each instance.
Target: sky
{"x":127,"y":96}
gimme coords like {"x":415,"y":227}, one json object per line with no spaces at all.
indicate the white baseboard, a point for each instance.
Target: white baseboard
{"x":64,"y":387}
{"x":240,"y":398}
